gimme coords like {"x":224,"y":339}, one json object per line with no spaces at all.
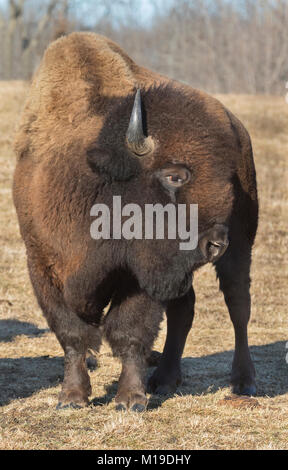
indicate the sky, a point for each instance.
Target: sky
{"x":142,"y":13}
{"x":85,"y":8}
{"x":89,"y":11}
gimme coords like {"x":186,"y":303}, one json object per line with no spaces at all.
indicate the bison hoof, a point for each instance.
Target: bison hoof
{"x":134,"y":401}
{"x":72,"y":399}
{"x":244,"y":389}
{"x":154,"y":359}
{"x":91,"y":362}
{"x":162,"y":384}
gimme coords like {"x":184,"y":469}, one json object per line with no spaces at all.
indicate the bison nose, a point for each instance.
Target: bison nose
{"x":214,"y":242}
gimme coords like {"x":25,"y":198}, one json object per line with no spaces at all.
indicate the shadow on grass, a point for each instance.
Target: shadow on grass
{"x":11,"y":328}
{"x":21,"y":377}
{"x":208,"y":374}
{"x":203,"y":375}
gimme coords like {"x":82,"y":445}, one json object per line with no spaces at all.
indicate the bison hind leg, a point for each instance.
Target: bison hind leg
{"x":233,"y":272}
{"x":153,"y":360}
{"x":91,"y":360}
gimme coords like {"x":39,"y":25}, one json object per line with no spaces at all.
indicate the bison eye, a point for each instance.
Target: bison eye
{"x":174,"y":176}
{"x":174,"y":180}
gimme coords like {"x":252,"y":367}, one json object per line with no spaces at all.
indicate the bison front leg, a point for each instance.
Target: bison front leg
{"x":131,"y":327}
{"x":75,"y":337}
{"x":76,"y":386}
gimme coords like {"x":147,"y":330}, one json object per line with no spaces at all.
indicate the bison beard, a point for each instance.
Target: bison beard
{"x":86,"y":135}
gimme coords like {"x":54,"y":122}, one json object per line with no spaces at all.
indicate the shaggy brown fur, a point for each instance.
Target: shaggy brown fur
{"x":72,"y":153}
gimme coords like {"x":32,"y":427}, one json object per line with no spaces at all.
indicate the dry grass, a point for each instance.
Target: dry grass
{"x":31,"y":364}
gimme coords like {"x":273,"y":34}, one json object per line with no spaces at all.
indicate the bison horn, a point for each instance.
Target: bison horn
{"x":136,"y":140}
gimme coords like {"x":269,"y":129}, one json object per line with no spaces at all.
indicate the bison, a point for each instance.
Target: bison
{"x":96,"y":125}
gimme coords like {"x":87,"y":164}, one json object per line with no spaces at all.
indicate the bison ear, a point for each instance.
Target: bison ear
{"x":115,"y":164}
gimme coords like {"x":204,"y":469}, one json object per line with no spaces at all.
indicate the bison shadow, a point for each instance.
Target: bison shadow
{"x":207,"y":374}
{"x":22,"y":377}
{"x":11,"y":328}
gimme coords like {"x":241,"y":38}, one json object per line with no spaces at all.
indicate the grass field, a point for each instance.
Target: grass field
{"x":31,"y":361}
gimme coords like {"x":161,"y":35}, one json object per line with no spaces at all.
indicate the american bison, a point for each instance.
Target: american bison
{"x":96,"y":125}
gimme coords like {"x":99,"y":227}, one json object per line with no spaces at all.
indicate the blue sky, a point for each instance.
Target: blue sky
{"x":143,"y":12}
{"x":145,"y":8}
{"x":89,"y":11}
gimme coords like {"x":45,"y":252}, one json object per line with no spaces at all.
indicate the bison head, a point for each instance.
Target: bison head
{"x":173,"y":146}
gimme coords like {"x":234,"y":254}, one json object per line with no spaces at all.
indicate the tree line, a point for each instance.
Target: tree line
{"x":222,"y":46}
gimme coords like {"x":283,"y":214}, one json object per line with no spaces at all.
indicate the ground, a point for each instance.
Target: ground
{"x":198,"y":417}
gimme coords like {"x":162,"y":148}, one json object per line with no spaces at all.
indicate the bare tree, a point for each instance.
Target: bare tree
{"x":24,"y":34}
{"x":223,"y":46}
{"x":238,"y":46}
